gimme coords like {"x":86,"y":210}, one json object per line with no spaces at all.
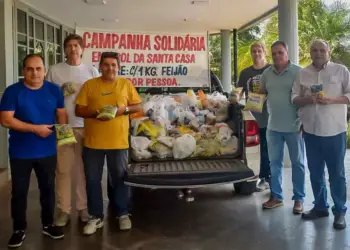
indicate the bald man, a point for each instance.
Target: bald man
{"x":322,"y":91}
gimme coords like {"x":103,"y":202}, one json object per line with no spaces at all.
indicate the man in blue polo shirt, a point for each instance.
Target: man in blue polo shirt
{"x":283,"y":127}
{"x":29,"y":109}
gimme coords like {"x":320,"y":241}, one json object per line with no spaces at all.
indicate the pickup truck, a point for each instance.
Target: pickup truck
{"x":241,"y":168}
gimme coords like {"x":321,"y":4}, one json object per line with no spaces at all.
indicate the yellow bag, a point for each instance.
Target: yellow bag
{"x":107,"y":113}
{"x":255,"y":102}
{"x":69,"y":88}
{"x":149,"y":129}
{"x":64,"y":134}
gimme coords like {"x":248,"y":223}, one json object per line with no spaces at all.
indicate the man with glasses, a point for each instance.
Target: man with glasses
{"x":107,"y":138}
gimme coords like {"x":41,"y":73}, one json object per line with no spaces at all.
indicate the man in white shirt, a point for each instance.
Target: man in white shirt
{"x":71,"y":74}
{"x":322,"y":91}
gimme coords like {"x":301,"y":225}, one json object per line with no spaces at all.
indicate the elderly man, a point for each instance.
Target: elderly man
{"x":29,"y":109}
{"x":322,"y":91}
{"x":250,"y":81}
{"x":71,"y":74}
{"x":106,"y":138}
{"x":283,"y":127}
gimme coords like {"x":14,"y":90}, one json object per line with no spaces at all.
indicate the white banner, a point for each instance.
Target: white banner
{"x":153,"y":60}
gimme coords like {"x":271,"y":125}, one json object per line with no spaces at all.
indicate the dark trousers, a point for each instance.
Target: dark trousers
{"x":21,"y":170}
{"x":117,"y":161}
{"x":265,"y":171}
{"x":327,"y":151}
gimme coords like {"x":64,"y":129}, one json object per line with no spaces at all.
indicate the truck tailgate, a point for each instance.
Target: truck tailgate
{"x":187,"y":173}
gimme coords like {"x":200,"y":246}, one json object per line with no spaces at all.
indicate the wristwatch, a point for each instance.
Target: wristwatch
{"x":126,"y":112}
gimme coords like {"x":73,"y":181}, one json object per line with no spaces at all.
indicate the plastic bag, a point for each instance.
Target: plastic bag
{"x":107,"y":113}
{"x":167,"y":141}
{"x":207,"y":148}
{"x":190,"y":99}
{"x":139,"y":142}
{"x":210,"y":119}
{"x":160,"y":150}
{"x":159,"y":111}
{"x":255,"y":102}
{"x":224,"y":133}
{"x":69,"y":88}
{"x":141,"y":154}
{"x":147,"y":107}
{"x":64,"y":134}
{"x":135,"y":123}
{"x":184,"y":146}
{"x":222,"y":113}
{"x":165,"y":123}
{"x":230,"y":146}
{"x":208,"y":132}
{"x":149,"y":129}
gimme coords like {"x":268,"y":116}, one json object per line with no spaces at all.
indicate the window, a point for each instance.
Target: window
{"x":40,"y":36}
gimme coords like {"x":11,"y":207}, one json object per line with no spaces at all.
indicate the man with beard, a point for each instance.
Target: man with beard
{"x":322,"y":91}
{"x":107,"y":138}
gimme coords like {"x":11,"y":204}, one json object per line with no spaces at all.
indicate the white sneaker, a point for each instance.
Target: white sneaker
{"x":62,"y":219}
{"x":124,"y":222}
{"x":92,"y":225}
{"x":84,"y":215}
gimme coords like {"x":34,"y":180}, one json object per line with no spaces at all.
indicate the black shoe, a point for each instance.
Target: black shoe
{"x":314,"y":214}
{"x":16,"y":239}
{"x":339,"y":222}
{"x":54,"y":232}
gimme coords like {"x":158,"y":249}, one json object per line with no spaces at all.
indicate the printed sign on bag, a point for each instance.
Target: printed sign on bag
{"x":153,"y":60}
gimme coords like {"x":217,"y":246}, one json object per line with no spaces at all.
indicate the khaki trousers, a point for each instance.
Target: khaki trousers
{"x":70,"y":167}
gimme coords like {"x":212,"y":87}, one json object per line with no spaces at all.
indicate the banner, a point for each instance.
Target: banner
{"x":153,"y":60}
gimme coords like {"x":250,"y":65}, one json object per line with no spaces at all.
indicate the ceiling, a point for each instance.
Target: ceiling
{"x":154,"y":15}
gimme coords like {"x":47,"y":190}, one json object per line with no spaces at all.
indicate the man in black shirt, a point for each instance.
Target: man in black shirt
{"x":250,"y":81}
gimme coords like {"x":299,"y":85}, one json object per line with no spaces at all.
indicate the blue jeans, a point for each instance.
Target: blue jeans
{"x":330,"y":151}
{"x":117,"y":161}
{"x":264,"y":156}
{"x":295,"y":143}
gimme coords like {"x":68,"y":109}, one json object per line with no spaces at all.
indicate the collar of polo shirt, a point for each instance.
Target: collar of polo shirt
{"x":285,"y":70}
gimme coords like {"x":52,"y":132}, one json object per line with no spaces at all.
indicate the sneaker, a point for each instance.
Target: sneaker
{"x":62,"y":219}
{"x":16,"y":239}
{"x":92,"y":225}
{"x":262,"y":185}
{"x":84,"y":215}
{"x":53,"y":232}
{"x":124,"y":222}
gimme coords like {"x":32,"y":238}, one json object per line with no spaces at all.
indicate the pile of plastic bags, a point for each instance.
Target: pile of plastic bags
{"x":182,"y":126}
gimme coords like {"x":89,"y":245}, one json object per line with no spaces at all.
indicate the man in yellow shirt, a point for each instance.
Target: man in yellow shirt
{"x":106,"y":138}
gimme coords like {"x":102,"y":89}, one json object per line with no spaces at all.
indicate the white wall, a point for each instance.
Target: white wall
{"x":6,"y":67}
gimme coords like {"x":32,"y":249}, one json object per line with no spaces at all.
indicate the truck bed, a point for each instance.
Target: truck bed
{"x":194,"y":172}
{"x":187,"y":173}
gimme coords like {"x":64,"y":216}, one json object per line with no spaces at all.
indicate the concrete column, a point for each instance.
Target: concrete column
{"x":288,"y":32}
{"x":226,"y":60}
{"x":6,"y":67}
{"x":288,"y":27}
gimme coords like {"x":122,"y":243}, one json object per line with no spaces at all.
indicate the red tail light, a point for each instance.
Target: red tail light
{"x":252,"y":137}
